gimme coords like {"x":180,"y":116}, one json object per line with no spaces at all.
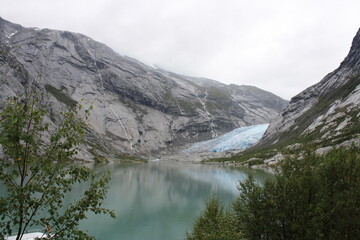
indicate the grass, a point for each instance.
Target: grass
{"x":320,"y":107}
{"x":96,"y":150}
{"x":60,"y":96}
{"x":98,"y":158}
{"x":168,"y":97}
{"x":188,"y":107}
{"x":217,"y":93}
{"x":258,"y":156}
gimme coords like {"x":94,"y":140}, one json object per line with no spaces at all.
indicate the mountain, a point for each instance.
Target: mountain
{"x":325,"y":114}
{"x":137,"y":110}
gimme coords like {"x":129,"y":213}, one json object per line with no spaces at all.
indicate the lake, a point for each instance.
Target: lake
{"x":157,"y":200}
{"x":160,"y":201}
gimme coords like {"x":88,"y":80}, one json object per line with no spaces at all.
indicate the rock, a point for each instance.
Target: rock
{"x":325,"y":112}
{"x":323,"y":150}
{"x":137,"y":110}
{"x":274,"y":160}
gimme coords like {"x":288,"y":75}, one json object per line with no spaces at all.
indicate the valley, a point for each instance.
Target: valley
{"x":168,"y":141}
{"x":138,"y":110}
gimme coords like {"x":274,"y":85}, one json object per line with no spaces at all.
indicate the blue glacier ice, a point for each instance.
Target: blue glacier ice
{"x":240,"y":138}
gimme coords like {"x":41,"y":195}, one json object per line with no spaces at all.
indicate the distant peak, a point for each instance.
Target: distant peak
{"x":353,"y":58}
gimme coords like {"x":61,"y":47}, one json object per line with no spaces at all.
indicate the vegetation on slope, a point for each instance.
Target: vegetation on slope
{"x":311,"y":197}
{"x":322,"y":105}
{"x":325,"y":134}
{"x":60,"y":96}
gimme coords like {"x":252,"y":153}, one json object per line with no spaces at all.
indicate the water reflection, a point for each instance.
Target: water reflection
{"x":160,"y":201}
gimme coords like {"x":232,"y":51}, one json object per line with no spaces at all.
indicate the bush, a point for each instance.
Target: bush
{"x":312,"y":197}
{"x":316,"y":197}
{"x":215,"y":223}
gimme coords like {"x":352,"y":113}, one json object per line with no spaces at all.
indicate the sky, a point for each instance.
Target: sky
{"x":282,"y":46}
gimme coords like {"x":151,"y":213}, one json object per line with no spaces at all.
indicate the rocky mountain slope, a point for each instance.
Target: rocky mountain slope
{"x":138,"y":110}
{"x":325,"y":114}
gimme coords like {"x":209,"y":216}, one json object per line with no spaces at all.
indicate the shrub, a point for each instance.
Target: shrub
{"x":310,"y":197}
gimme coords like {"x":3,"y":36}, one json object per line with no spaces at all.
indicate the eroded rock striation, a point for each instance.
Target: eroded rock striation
{"x":325,"y":114}
{"x":137,"y":109}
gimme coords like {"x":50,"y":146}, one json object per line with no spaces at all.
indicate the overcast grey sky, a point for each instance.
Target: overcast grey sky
{"x":282,"y":46}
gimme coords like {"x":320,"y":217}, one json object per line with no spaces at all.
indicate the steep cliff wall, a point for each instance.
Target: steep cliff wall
{"x":138,"y":110}
{"x":326,"y":113}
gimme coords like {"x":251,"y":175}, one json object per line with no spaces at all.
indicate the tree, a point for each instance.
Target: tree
{"x":36,"y":171}
{"x":214,"y":223}
{"x":311,"y":197}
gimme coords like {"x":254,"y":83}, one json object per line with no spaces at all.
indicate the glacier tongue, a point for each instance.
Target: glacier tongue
{"x":240,"y":138}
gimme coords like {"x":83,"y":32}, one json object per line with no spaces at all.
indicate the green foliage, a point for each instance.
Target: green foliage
{"x":211,"y":107}
{"x":215,"y":223}
{"x":351,"y":130}
{"x":316,"y":197}
{"x":258,"y":156}
{"x":36,"y":171}
{"x":250,"y":209}
{"x":214,"y":106}
{"x":310,"y":197}
{"x":218,"y":93}
{"x":188,"y":107}
{"x":168,"y":97}
{"x":60,"y":96}
{"x":320,"y":107}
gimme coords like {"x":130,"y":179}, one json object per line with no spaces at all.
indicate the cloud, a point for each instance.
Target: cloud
{"x":281,"y":46}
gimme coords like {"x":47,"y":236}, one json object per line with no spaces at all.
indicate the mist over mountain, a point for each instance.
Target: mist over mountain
{"x":137,"y":109}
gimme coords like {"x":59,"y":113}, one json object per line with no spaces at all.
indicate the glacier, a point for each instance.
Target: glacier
{"x":238,"y":139}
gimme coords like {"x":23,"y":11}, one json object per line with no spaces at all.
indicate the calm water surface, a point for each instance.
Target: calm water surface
{"x":160,"y":201}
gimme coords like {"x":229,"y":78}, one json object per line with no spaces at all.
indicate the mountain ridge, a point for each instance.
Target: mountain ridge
{"x":335,"y":86}
{"x":323,"y":116}
{"x":138,"y":110}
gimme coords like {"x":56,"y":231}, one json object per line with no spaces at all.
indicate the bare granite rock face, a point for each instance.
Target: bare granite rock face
{"x":137,"y":110}
{"x":326,"y":113}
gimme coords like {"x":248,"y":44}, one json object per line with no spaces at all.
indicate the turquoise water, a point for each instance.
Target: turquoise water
{"x":159,"y":201}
